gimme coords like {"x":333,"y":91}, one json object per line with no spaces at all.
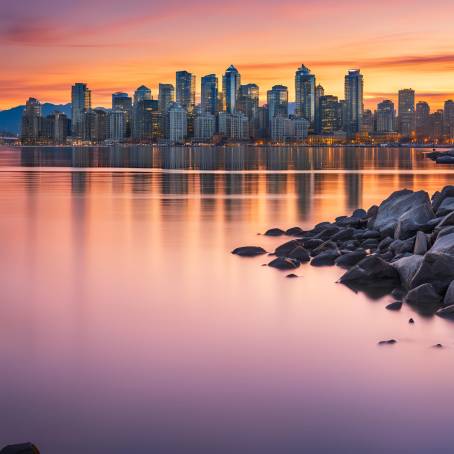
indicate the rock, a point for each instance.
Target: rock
{"x":321,"y":226}
{"x":343,"y":235}
{"x":350,"y":245}
{"x":386,"y":256}
{"x":371,"y":243}
{"x":295,"y":231}
{"x":351,"y":258}
{"x":300,"y":254}
{"x":388,"y":342}
{"x":372,"y":211}
{"x":23,"y":448}
{"x":403,"y":246}
{"x":284,"y":249}
{"x":283,"y":263}
{"x":445,"y":159}
{"x":371,"y":270}
{"x":421,"y":244}
{"x":436,"y":268}
{"x":368,"y":234}
{"x":396,"y":306}
{"x":384,"y":244}
{"x":291,"y":276}
{"x":437,"y":346}
{"x":274,"y":232}
{"x":447,"y":312}
{"x":407,"y":267}
{"x":326,"y":258}
{"x":249,"y":251}
{"x":424,"y":294}
{"x":327,"y":233}
{"x":359,"y":214}
{"x":410,"y":221}
{"x":312,"y":243}
{"x":398,"y":293}
{"x":438,"y":197}
{"x":326,"y":246}
{"x":411,"y":321}
{"x":447,"y":206}
{"x":445,"y":241}
{"x":449,"y":296}
{"x":445,"y":221}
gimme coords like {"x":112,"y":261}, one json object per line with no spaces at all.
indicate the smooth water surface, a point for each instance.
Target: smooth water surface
{"x":126,"y":325}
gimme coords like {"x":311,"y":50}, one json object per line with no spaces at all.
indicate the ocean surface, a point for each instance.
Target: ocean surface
{"x":126,"y":326}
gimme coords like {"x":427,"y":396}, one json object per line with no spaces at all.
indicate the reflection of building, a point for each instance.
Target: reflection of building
{"x":230,"y":85}
{"x":209,"y":93}
{"x":354,"y":85}
{"x":407,"y":117}
{"x":305,"y":94}
{"x":80,"y":103}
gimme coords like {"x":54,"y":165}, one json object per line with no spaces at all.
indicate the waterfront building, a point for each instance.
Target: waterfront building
{"x":94,"y":125}
{"x":406,"y":114}
{"x":209,"y":94}
{"x":185,"y":90}
{"x":122,"y":101}
{"x":436,"y":121}
{"x":319,"y":92}
{"x":204,"y":127}
{"x":277,"y":99}
{"x":58,"y":128}
{"x":231,"y":82}
{"x":117,"y":125}
{"x":448,"y":120}
{"x":31,"y":124}
{"x":368,"y":122}
{"x":422,"y":121}
{"x":142,"y":96}
{"x":248,"y":100}
{"x":178,"y":125}
{"x":305,"y":94}
{"x":80,"y":103}
{"x":233,"y":126}
{"x":166,"y":97}
{"x":329,"y":114}
{"x":284,"y":129}
{"x":385,"y":117}
{"x":354,"y":86}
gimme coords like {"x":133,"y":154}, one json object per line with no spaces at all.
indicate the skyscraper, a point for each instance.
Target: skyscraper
{"x":80,"y":103}
{"x":422,"y":120}
{"x":230,"y":85}
{"x":407,"y":117}
{"x":141,"y":96}
{"x":277,"y":99}
{"x":177,"y":123}
{"x":185,"y":90}
{"x":319,"y":92}
{"x":209,"y":93}
{"x":31,"y":121}
{"x":166,"y":97}
{"x":328,"y":111}
{"x":305,"y":94}
{"x":354,"y":86}
{"x":448,"y":120}
{"x":123,"y":102}
{"x":385,"y":117}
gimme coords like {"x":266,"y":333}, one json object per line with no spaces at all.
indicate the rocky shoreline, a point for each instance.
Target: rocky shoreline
{"x":403,"y":247}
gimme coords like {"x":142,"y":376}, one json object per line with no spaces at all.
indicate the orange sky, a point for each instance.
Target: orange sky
{"x":46,"y":45}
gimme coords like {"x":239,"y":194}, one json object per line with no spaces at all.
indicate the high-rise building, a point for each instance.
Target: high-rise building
{"x":448,"y":120}
{"x":423,"y":127}
{"x":248,"y":100}
{"x":319,"y":92}
{"x":354,"y":86}
{"x":368,"y":122}
{"x":166,"y":97}
{"x":141,"y":96}
{"x":123,"y":102}
{"x":277,"y":99}
{"x":117,"y":125}
{"x":385,"y":117}
{"x":289,"y":129}
{"x":328,"y":111}
{"x":31,"y":121}
{"x":80,"y":103}
{"x":178,"y":124}
{"x":95,"y":125}
{"x":234,"y":126}
{"x":436,"y":120}
{"x":406,"y":114}
{"x":185,"y":90}
{"x":204,"y":126}
{"x":305,"y":94}
{"x":209,"y":93}
{"x":231,"y":82}
{"x":58,"y":127}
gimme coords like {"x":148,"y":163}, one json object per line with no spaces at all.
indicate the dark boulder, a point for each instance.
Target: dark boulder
{"x":371,"y":243}
{"x":410,"y":221}
{"x":446,"y":207}
{"x":424,"y":294}
{"x":274,"y":232}
{"x":403,"y":246}
{"x":449,"y":296}
{"x":326,"y":246}
{"x":407,"y":267}
{"x":283,"y":263}
{"x":326,"y":258}
{"x":343,"y":235}
{"x":398,"y":293}
{"x":312,"y":243}
{"x":350,"y":259}
{"x":388,"y":342}
{"x":384,"y":243}
{"x":372,"y":211}
{"x":447,"y":312}
{"x":446,"y":159}
{"x":438,"y":197}
{"x":284,"y":249}
{"x":22,"y":448}
{"x":368,"y":234}
{"x":371,"y":270}
{"x":291,"y":276}
{"x":327,"y":233}
{"x":350,"y":245}
{"x":396,"y":306}
{"x":421,"y":244}
{"x":295,"y":231}
{"x":359,"y":214}
{"x":300,"y":254}
{"x":249,"y":251}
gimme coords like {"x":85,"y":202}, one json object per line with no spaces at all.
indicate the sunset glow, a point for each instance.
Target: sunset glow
{"x":46,"y":45}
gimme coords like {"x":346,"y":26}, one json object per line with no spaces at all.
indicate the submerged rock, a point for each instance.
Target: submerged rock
{"x":284,"y":249}
{"x":388,"y":342}
{"x":447,"y":312}
{"x":282,"y":263}
{"x":295,"y":231}
{"x":22,"y":448}
{"x":291,"y":276}
{"x":249,"y":251}
{"x":371,"y":270}
{"x":326,"y":258}
{"x":300,"y":254}
{"x":274,"y":232}
{"x":351,"y":258}
{"x":396,"y":306}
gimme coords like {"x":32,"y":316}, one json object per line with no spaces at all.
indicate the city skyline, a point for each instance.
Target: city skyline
{"x":118,"y":50}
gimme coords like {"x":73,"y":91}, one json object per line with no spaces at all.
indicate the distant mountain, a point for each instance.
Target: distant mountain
{"x":10,"y":119}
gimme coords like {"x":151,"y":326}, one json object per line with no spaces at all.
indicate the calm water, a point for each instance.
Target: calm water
{"x":126,"y":325}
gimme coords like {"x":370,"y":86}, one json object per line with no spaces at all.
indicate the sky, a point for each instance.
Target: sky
{"x":47,"y":45}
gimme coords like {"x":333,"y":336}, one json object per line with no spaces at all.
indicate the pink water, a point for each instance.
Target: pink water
{"x":126,"y":325}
